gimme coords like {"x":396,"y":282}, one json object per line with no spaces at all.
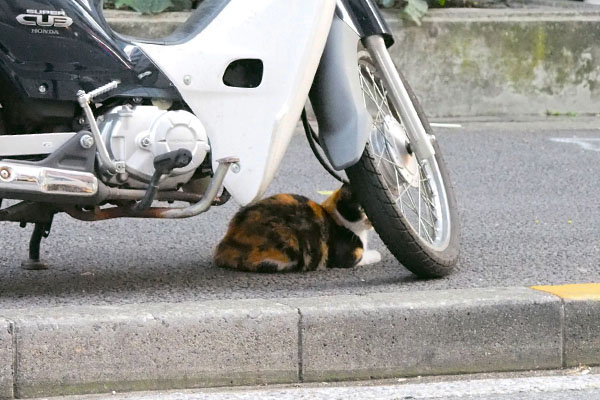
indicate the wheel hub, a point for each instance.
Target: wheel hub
{"x":396,"y":147}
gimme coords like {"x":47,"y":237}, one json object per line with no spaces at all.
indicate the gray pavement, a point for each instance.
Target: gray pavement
{"x":528,"y":206}
{"x":567,"y":386}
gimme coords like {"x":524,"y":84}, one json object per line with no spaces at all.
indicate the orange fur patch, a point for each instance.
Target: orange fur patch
{"x":253,"y":217}
{"x":358,"y":253}
{"x":257,"y":256}
{"x":286,"y":199}
{"x":331,"y":203}
{"x":226,"y":254}
{"x":324,"y":249}
{"x":253,"y":241}
{"x":243,"y":236}
{"x":319,"y":212}
{"x":324,"y":255}
{"x":288,"y":236}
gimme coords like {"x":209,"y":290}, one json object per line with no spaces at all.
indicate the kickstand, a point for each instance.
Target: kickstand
{"x":41,"y":230}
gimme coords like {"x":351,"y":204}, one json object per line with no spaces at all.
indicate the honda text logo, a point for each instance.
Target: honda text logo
{"x":45,"y":19}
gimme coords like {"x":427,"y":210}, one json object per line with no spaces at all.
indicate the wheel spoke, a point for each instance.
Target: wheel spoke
{"x":381,"y":158}
{"x":397,"y":179}
{"x":415,"y":207}
{"x":419,"y":201}
{"x":410,"y":207}
{"x":412,"y":201}
{"x":427,"y":233}
{"x":428,"y":202}
{"x":381,"y":91}
{"x":402,"y":194}
{"x":381,"y":94}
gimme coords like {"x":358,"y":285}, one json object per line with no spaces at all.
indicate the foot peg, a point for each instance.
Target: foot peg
{"x":163,"y":164}
{"x":166,"y":163}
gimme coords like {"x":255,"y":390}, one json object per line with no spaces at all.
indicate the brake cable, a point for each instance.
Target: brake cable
{"x":313,"y":140}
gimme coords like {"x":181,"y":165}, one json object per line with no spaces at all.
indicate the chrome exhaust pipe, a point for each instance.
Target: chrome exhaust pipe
{"x":206,"y":201}
{"x":31,"y":182}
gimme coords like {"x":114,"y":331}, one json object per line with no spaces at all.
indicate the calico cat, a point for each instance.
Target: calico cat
{"x":286,"y":232}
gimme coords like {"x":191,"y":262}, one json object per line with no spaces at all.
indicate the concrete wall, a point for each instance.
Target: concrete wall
{"x":502,"y":62}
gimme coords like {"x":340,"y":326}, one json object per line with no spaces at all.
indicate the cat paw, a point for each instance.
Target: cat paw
{"x":370,"y":257}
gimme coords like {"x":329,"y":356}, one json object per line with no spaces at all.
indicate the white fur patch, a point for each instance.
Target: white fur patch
{"x":370,"y":257}
{"x":281,"y":266}
{"x":361,"y":229}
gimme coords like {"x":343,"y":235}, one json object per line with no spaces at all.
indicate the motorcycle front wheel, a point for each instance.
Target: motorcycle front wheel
{"x":409,"y":199}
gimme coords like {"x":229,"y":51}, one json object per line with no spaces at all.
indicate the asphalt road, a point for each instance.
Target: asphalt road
{"x":528,"y":205}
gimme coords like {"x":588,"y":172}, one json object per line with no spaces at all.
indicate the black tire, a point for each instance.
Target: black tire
{"x":391,"y":223}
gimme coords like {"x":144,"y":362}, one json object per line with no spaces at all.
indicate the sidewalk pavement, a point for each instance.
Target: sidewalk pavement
{"x":78,"y":350}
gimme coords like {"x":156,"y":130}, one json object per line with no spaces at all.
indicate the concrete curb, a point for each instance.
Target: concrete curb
{"x":79,"y":350}
{"x":479,"y":62}
{"x":7,"y":357}
{"x":582,"y":328}
{"x":429,"y":333}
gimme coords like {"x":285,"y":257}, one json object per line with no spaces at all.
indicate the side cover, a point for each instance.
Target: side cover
{"x":255,"y":124}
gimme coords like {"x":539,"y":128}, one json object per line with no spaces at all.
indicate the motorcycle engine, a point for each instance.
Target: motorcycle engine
{"x":138,"y":134}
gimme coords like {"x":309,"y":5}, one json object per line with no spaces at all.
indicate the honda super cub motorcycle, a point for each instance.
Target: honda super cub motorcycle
{"x":100,"y":126}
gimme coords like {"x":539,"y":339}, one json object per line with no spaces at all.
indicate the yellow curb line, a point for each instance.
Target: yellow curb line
{"x":581,"y":291}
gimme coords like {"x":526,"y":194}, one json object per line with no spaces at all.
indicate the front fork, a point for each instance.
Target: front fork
{"x":364,"y":17}
{"x":419,"y":139}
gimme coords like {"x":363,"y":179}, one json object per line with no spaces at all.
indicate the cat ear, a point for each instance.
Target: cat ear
{"x":348,"y":193}
{"x":346,"y":189}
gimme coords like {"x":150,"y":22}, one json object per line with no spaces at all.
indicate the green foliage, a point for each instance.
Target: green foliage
{"x":552,"y":113}
{"x":145,"y":6}
{"x":151,"y":6}
{"x":413,"y":10}
{"x":183,"y":4}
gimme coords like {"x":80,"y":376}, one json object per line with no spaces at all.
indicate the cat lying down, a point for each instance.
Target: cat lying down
{"x":286,"y":232}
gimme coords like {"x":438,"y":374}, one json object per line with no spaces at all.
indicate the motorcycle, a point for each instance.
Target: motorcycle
{"x":99,"y":125}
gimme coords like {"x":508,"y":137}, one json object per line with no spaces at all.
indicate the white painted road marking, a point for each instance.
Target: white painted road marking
{"x":592,"y":144}
{"x":444,"y":125}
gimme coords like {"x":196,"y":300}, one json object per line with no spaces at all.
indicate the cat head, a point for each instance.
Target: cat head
{"x":345,"y":208}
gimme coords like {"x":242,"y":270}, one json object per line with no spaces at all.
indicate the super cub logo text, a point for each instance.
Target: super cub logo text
{"x":45,"y":20}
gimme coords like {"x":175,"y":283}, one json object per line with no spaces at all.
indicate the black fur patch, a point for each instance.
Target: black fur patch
{"x":342,"y":249}
{"x":348,"y":206}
